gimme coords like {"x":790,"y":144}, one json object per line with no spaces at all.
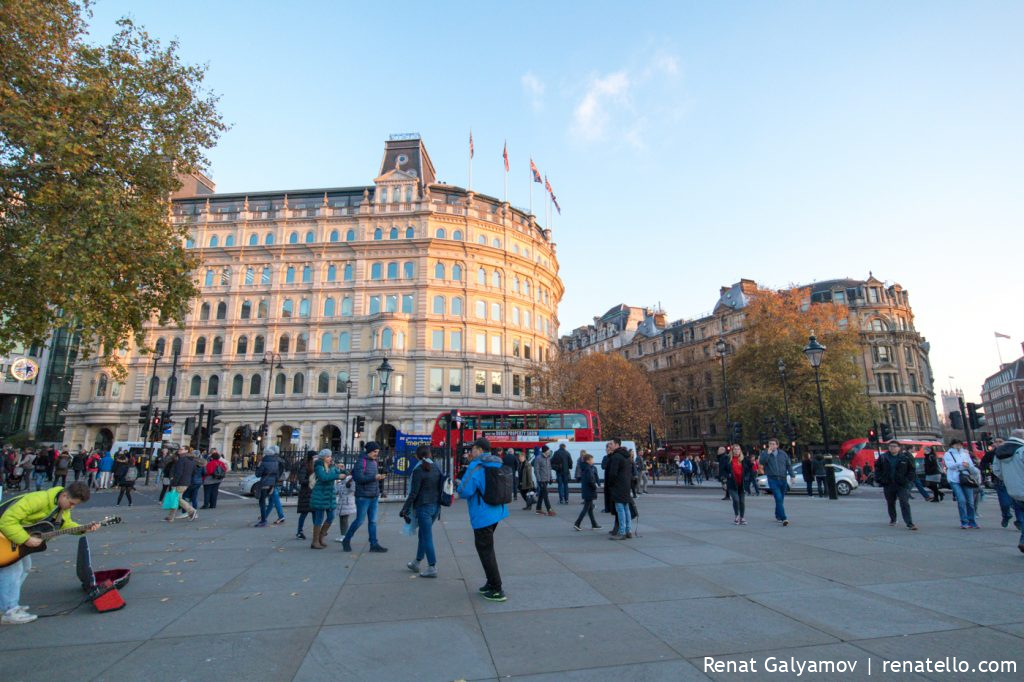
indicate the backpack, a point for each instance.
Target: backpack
{"x":497,"y":485}
{"x":218,"y":472}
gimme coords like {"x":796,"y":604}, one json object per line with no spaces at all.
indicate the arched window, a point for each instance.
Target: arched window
{"x":302,"y":342}
{"x":440,"y":233}
{"x":481,"y":276}
{"x":392,"y":270}
{"x":289,"y":275}
{"x":439,"y":271}
{"x":242,"y":345}
{"x":279,"y":384}
{"x":225,"y":277}
{"x":304,"y":308}
{"x":307,"y":274}
{"x":237,"y":384}
{"x":154,"y":386}
{"x":229,"y":240}
{"x":258,"y":347}
{"x":408,"y":270}
{"x":250,"y":277}
{"x":218,"y":345}
{"x":246,"y":311}
{"x":310,"y":237}
{"x":347,"y":272}
{"x":293,"y":238}
{"x":201,"y":345}
{"x":213,"y":385}
{"x":269,"y":239}
{"x":262,"y":310}
{"x":515,"y":315}
{"x":255,"y":384}
{"x":222,"y":310}
{"x":334,"y":236}
{"x":195,"y":386}
{"x":410,"y":233}
{"x":282,"y":344}
{"x":526,"y":287}
{"x":329,"y":307}
{"x":457,"y":273}
{"x":378,"y":234}
{"x":496,"y":243}
{"x":341,"y":383}
{"x":323,"y":382}
{"x":332,"y":273}
{"x":265,"y":277}
{"x":496,"y":279}
{"x":350,"y":236}
{"x":254,"y":239}
{"x":439,"y":306}
{"x":457,"y":306}
{"x":204,"y":311}
{"x":326,"y":343}
{"x":387,"y":339}
{"x":344,"y":342}
{"x":346,"y":307}
{"x":457,"y":235}
{"x":214,"y":241}
{"x":299,"y":384}
{"x":375,"y":271}
{"x":287,"y":308}
{"x":394,"y":233}
{"x":515,"y":284}
{"x":176,"y":346}
{"x":160,"y":346}
{"x":482,"y":239}
{"x":101,"y":386}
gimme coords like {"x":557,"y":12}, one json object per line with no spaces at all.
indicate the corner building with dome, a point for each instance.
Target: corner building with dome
{"x":459,"y":291}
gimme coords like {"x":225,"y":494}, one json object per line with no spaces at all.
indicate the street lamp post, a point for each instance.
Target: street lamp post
{"x":384,"y":375}
{"x":722,"y":349}
{"x":348,"y":405}
{"x":264,"y":430}
{"x":785,"y":396}
{"x":149,"y":426}
{"x":815,"y":352}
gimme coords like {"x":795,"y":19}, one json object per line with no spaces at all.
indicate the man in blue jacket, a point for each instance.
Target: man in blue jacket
{"x":482,"y":516}
{"x":366,"y":476}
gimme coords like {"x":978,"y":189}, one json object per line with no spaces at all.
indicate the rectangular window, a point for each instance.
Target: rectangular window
{"x":391,"y":304}
{"x":396,"y":384}
{"x":455,"y":342}
{"x":496,"y":311}
{"x":480,"y":378}
{"x":374,"y":305}
{"x":910,"y":355}
{"x":436,"y":379}
{"x":495,"y":345}
{"x":528,"y":386}
{"x":481,"y":310}
{"x":526,"y":319}
{"x":407,"y":304}
{"x":920,"y":414}
{"x":496,"y":383}
{"x":455,"y":380}
{"x":515,"y":348}
{"x":437,"y":339}
{"x":913,"y":382}
{"x":526,"y":352}
{"x":516,"y":389}
{"x":872,"y":294}
{"x":481,"y":343}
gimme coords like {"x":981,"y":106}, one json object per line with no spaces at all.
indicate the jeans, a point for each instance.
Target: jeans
{"x":964,"y":503}
{"x":563,"y":487}
{"x":778,"y":488}
{"x":11,"y":579}
{"x":739,"y":507}
{"x":39,"y":478}
{"x":366,"y":507}
{"x":302,"y":522}
{"x":483,"y":538}
{"x":588,"y":508}
{"x":920,"y":487}
{"x":78,"y":474}
{"x":425,"y":518}
{"x":61,"y":479}
{"x":322,"y":516}
{"x":269,"y":496}
{"x":1006,"y":504}
{"x":210,"y":491}
{"x":1018,"y":509}
{"x":622,"y":512}
{"x":902,"y":493}
{"x":192,"y":494}
{"x":542,"y":495}
{"x":821,"y":485}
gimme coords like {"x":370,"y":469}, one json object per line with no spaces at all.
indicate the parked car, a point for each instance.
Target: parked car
{"x":846,"y":481}
{"x":247,"y":485}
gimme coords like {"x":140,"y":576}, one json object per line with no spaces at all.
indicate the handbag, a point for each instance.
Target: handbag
{"x":447,"y":491}
{"x":967,"y":479}
{"x":171,"y":499}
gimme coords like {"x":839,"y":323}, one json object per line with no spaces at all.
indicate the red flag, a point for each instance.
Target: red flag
{"x":471,"y":143}
{"x":547,"y":185}
{"x":505,"y":155}
{"x":536,"y":173}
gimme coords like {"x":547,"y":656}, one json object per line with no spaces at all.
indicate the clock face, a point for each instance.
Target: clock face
{"x":24,"y":369}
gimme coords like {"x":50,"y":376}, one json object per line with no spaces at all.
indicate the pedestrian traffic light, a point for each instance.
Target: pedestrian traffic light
{"x":974,"y":418}
{"x":360,"y":425}
{"x":145,"y":412}
{"x":872,"y":435}
{"x":212,"y":420}
{"x":886,"y":431}
{"x":156,"y":431}
{"x":190,"y":425}
{"x":736,"y":432}
{"x":956,"y":420}
{"x":168,"y":419}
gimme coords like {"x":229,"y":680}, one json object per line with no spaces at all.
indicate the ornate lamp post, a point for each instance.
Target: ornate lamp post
{"x":384,"y":376}
{"x":722,"y":348}
{"x":815,"y":352}
{"x":348,"y":406}
{"x":264,"y":430}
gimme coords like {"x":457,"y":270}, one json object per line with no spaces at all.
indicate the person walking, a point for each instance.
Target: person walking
{"x":78,"y":464}
{"x":512,"y":462}
{"x":807,"y":471}
{"x":588,"y":489}
{"x":40,"y":465}
{"x":527,"y":484}
{"x":723,"y":458}
{"x":933,"y":474}
{"x":958,"y":473}
{"x":192,"y":492}
{"x":424,"y":502}
{"x":819,"y":474}
{"x":778,"y":468}
{"x":181,"y":478}
{"x":106,"y":468}
{"x":1006,"y":505}
{"x":322,"y":497}
{"x":687,"y":464}
{"x":213,"y":474}
{"x":367,"y":478}
{"x":618,"y":481}
{"x":561,"y":464}
{"x":542,"y":475}
{"x":737,"y":471}
{"x":483,"y":517}
{"x":166,"y":471}
{"x":303,"y":477}
{"x":895,"y":472}
{"x":122,"y":467}
{"x":346,"y":504}
{"x":1008,"y":469}
{"x":62,"y":463}
{"x":271,"y":470}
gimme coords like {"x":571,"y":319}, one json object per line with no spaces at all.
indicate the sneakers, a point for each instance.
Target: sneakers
{"x":485,"y":589}
{"x":194,"y":515}
{"x":495,"y":595}
{"x":576,"y":527}
{"x":261,"y":524}
{"x":540,"y":512}
{"x":911,"y":527}
{"x":429,"y":572}
{"x":736,"y":521}
{"x":617,"y":537}
{"x":892,"y":522}
{"x":377,"y":549}
{"x":629,"y":536}
{"x":19,"y":615}
{"x":551,"y":512}
{"x":1006,"y":522}
{"x":279,"y":521}
{"x":413,"y":566}
{"x":596,"y":527}
{"x":743,"y":521}
{"x":300,"y":535}
{"x":785,"y":522}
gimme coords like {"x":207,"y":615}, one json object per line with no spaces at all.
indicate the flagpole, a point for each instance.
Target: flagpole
{"x":505,"y":155}
{"x":469,"y":186}
{"x":999,"y":352}
{"x":531,"y":186}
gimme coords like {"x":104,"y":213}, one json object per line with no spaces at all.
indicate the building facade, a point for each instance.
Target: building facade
{"x":1003,"y":397}
{"x":685,"y":366}
{"x":304,"y":293}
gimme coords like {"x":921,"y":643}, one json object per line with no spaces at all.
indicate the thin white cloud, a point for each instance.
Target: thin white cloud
{"x":534,"y":89}
{"x":591,"y":117}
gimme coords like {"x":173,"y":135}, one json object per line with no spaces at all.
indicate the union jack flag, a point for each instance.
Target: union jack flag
{"x":536,"y":173}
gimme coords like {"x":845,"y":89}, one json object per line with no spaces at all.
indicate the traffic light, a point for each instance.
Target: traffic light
{"x":886,"y":431}
{"x":212,"y":420}
{"x":956,"y":420}
{"x":736,"y":432}
{"x":872,"y":435}
{"x":190,"y":425}
{"x":246,"y":432}
{"x":168,"y":419}
{"x":156,"y":430}
{"x":975,"y":418}
{"x":144,"y":414}
{"x":360,"y":425}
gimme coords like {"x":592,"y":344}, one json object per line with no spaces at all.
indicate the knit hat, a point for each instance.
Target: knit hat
{"x":371,"y":446}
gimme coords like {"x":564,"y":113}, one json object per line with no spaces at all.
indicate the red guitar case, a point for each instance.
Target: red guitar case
{"x":102,"y":586}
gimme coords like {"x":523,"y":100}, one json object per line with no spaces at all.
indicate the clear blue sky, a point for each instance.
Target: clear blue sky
{"x":689,"y":144}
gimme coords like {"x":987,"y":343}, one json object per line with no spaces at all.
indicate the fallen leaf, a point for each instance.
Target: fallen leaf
{"x":165,"y":599}
{"x":295,"y":594}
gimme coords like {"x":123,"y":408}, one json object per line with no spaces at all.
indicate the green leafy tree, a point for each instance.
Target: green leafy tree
{"x":777,"y":327}
{"x":92,"y":138}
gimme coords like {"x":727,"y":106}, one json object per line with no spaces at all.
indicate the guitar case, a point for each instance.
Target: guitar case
{"x":101,"y":586}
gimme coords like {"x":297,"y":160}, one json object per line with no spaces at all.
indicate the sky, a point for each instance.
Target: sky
{"x":690,"y":144}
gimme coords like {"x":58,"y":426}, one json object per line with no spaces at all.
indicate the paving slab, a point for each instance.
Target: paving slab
{"x":651,"y":584}
{"x":539,"y":593}
{"x":962,"y":599}
{"x":415,"y":598}
{"x":25,"y":665}
{"x":246,"y":611}
{"x":830,"y":661}
{"x":969,"y":646}
{"x":662,"y":671}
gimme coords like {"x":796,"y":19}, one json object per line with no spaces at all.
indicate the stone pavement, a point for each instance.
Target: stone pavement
{"x":220,"y":600}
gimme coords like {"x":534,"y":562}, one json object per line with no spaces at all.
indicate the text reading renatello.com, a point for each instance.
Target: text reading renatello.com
{"x":773,"y":664}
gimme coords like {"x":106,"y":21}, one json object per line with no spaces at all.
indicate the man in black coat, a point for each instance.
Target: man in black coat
{"x":561,"y":464}
{"x":723,"y":468}
{"x":618,"y":482}
{"x":511,"y":460}
{"x":895,"y":471}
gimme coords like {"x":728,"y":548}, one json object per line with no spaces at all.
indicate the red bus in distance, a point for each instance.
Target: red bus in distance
{"x":518,"y":429}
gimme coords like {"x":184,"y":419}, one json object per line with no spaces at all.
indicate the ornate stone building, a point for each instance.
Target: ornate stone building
{"x":1003,"y":397}
{"x":459,"y":291}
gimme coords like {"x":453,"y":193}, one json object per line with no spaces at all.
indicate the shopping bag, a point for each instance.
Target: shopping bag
{"x":171,"y":499}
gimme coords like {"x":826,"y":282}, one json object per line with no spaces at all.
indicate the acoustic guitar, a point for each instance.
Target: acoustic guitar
{"x":11,"y":553}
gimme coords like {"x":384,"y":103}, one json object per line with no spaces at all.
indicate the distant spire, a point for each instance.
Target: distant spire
{"x":325,"y":198}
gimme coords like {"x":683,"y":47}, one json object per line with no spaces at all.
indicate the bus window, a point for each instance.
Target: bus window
{"x":485,"y":422}
{"x":575,"y":420}
{"x":551,"y":421}
{"x":442,"y":422}
{"x":468,"y":422}
{"x":531,"y":421}
{"x":515,"y":422}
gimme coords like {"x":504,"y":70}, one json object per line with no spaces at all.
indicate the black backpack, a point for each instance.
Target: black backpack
{"x":497,"y":485}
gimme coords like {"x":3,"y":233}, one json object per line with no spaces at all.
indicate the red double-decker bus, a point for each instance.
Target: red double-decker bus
{"x":518,"y":429}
